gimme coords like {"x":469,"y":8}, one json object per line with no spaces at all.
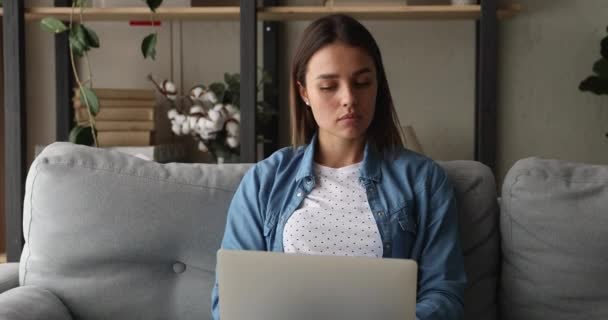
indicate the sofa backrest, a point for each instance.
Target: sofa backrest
{"x":117,"y":237}
{"x":554,"y":227}
{"x":475,"y":191}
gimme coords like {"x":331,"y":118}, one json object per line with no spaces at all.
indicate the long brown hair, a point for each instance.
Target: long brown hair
{"x":384,"y":130}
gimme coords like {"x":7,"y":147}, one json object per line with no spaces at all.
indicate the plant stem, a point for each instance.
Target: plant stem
{"x":152,"y":21}
{"x":86,"y":55}
{"x":86,"y":101}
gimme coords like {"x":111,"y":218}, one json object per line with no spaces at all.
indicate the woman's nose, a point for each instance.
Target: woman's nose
{"x":347,"y":96}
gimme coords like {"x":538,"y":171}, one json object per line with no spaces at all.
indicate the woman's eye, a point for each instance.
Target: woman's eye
{"x":327,"y":88}
{"x":362,"y":84}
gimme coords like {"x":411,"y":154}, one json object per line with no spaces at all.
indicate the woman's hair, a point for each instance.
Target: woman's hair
{"x":384,"y":130}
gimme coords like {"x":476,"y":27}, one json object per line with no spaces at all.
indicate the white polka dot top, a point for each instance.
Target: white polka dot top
{"x":334,"y":218}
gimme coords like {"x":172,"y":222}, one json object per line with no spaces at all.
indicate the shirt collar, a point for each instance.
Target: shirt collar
{"x":370,"y":168}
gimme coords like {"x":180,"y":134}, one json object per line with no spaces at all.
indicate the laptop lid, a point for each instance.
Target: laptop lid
{"x":259,"y":285}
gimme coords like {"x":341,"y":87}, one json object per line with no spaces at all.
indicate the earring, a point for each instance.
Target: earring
{"x":307,"y":103}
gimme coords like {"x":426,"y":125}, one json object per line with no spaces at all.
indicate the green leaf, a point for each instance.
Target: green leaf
{"x":154,"y":4}
{"x":78,"y":41}
{"x":600,"y":68}
{"x":81,"y":35}
{"x":91,"y":98}
{"x":91,"y":38}
{"x":234,"y":83}
{"x":219,"y":89}
{"x":82,"y":135}
{"x":604,"y":47}
{"x":227,"y":78}
{"x":232,"y":80}
{"x":594,"y":84}
{"x":77,"y":47}
{"x":53,"y":25}
{"x":148,"y":46}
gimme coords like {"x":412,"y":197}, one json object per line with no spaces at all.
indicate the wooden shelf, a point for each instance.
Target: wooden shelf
{"x":285,"y":13}
{"x":437,"y":12}
{"x":140,"y":13}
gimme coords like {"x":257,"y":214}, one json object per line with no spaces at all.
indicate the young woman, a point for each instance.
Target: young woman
{"x":348,"y":186}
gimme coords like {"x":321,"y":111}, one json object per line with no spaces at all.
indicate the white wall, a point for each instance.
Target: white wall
{"x":119,"y":63}
{"x":544,"y":53}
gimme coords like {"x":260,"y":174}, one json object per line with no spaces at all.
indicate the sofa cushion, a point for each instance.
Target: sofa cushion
{"x":475,"y":191}
{"x":554,"y":226}
{"x":9,"y":276}
{"x":117,"y":237}
{"x":32,"y":303}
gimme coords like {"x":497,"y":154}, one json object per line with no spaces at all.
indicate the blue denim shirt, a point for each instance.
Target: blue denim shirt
{"x":411,"y":200}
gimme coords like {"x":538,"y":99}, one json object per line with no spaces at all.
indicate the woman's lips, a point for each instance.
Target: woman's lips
{"x":350,"y":116}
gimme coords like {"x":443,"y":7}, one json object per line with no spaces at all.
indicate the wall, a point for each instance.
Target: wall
{"x":430,"y":66}
{"x":40,"y":79}
{"x":545,"y":51}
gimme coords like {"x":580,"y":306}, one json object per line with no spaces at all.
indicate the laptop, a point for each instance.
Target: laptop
{"x":258,"y":285}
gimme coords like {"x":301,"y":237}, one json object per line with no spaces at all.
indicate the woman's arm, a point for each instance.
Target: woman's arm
{"x":244,"y":224}
{"x":442,"y":277}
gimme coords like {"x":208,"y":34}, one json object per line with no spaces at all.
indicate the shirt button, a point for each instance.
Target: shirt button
{"x":380,"y":214}
{"x":388,"y":245}
{"x":299,"y":194}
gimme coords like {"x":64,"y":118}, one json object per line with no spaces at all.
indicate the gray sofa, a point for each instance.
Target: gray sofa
{"x":110,"y":236}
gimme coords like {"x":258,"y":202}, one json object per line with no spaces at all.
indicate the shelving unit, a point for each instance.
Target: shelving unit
{"x":276,"y":13}
{"x":486,"y":15}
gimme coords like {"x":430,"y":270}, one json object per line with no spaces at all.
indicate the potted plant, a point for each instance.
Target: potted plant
{"x":598,"y":83}
{"x":211,"y":114}
{"x":81,"y":40}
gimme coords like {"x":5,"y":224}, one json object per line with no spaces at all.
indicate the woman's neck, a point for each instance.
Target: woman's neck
{"x":335,"y":152}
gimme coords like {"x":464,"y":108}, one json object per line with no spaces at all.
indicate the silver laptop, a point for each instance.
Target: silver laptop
{"x":256,"y":285}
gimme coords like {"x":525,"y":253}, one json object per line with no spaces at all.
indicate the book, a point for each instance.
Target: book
{"x":123,"y":138}
{"x":106,"y":125}
{"x":162,"y":153}
{"x":108,"y":93}
{"x":117,"y":114}
{"x":118,"y":103}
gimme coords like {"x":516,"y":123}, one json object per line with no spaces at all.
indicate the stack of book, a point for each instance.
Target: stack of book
{"x":125,"y":118}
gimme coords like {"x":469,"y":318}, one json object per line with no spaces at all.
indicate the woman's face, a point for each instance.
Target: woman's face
{"x":341,"y":90}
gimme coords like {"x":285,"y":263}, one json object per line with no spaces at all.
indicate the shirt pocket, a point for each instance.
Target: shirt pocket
{"x":403,"y":217}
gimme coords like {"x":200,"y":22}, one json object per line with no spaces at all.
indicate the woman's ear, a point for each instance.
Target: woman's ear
{"x":303,"y":93}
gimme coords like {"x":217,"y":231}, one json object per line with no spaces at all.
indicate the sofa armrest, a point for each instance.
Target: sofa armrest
{"x":32,"y":303}
{"x":9,"y":276}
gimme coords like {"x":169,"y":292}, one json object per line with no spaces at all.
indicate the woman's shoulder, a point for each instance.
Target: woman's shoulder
{"x":404,"y":156}
{"x":416,"y":164}
{"x":281,"y":161}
